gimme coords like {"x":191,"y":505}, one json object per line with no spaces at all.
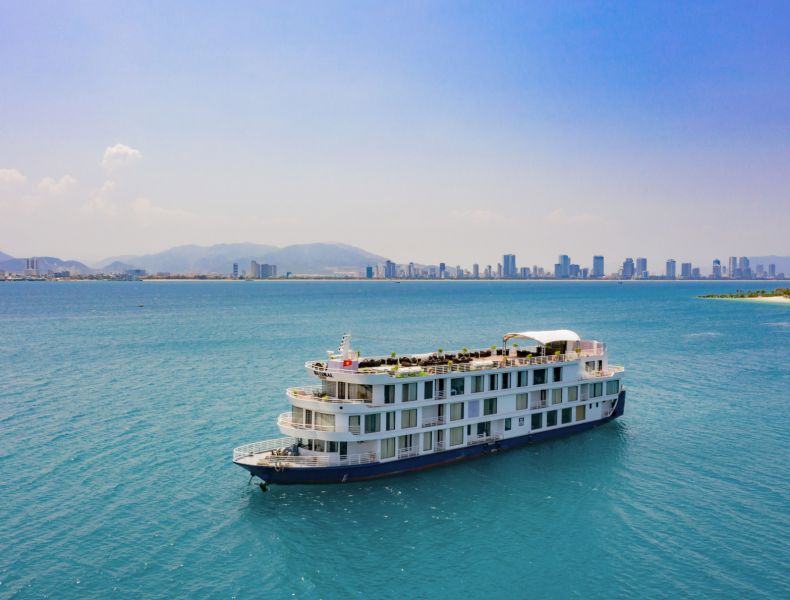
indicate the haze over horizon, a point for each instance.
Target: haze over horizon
{"x":421,"y":132}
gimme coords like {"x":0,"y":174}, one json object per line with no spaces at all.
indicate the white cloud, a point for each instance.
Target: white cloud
{"x":56,"y":186}
{"x":118,"y":156}
{"x":11,"y":177}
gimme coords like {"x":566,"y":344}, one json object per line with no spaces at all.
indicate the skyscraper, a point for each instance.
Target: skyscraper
{"x":442,"y":270}
{"x":628,"y":268}
{"x":390,"y":270}
{"x":732,"y":267}
{"x":772,"y":270}
{"x":641,"y":268}
{"x":255,"y":270}
{"x":509,"y":265}
{"x":671,"y":269}
{"x":565,"y":266}
{"x":685,"y":270}
{"x":598,"y":270}
{"x":475,"y":271}
{"x":368,"y":272}
{"x":235,"y":270}
{"x":716,"y":268}
{"x":744,"y":269}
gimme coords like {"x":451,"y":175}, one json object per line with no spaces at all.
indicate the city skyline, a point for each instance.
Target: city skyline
{"x":418,"y":131}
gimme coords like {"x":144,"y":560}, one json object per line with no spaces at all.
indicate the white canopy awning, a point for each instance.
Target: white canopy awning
{"x":545,"y":337}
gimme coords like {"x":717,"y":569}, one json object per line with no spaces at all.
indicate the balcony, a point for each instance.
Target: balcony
{"x":482,"y":439}
{"x":408,"y":452}
{"x":286,"y":420}
{"x":432,"y":421}
{"x":316,"y":392}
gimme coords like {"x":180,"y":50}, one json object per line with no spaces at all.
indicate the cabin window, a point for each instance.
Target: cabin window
{"x":556,"y":396}
{"x":505,"y":381}
{"x":581,"y":412}
{"x":589,"y":366}
{"x":332,"y":447}
{"x":585,"y":391}
{"x":405,"y":442}
{"x":521,"y":401}
{"x":325,"y":421}
{"x":427,"y":440}
{"x":508,"y":424}
{"x":390,"y":421}
{"x":539,"y":377}
{"x":489,"y":406}
{"x":551,"y":418}
{"x":477,"y":384}
{"x":408,"y":418}
{"x":409,"y":392}
{"x":473,"y":409}
{"x":428,"y":391}
{"x":456,"y":436}
{"x":567,"y":415}
{"x":318,"y":445}
{"x":456,"y":411}
{"x":353,"y":423}
{"x":329,"y":388}
{"x":597,"y":389}
{"x":457,"y":386}
{"x":388,"y":448}
{"x":389,"y":394}
{"x":573,"y":393}
{"x":493,"y":383}
{"x":297,"y":414}
{"x":612,"y":387}
{"x":359,"y":391}
{"x":341,"y":390}
{"x":372,"y":423}
{"x":537,"y":420}
{"x":557,"y":373}
{"x":522,"y":379}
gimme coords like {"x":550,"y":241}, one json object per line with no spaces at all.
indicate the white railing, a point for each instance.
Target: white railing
{"x":441,"y":394}
{"x":407,"y":452}
{"x":286,"y":420}
{"x":439,"y":446}
{"x":482,"y":439}
{"x":538,"y":404}
{"x":316,"y":392}
{"x":355,"y":429}
{"x":433,"y":421}
{"x":589,"y":349}
{"x":317,"y":460}
{"x":263,"y":446}
{"x":597,"y":373}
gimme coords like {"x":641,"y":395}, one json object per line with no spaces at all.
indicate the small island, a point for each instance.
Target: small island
{"x":779,"y":295}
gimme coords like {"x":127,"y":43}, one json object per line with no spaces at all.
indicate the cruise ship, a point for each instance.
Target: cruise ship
{"x":371,"y":417}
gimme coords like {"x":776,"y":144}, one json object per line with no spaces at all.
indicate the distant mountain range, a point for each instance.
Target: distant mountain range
{"x":317,"y":259}
{"x":9,"y":264}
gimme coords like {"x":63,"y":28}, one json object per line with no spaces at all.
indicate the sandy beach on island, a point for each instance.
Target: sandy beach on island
{"x":769,"y":299}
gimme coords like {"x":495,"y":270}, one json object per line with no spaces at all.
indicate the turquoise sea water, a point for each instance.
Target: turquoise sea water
{"x":117,"y":423}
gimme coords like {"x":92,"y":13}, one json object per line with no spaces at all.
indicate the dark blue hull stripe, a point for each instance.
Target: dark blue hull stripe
{"x":345,"y":473}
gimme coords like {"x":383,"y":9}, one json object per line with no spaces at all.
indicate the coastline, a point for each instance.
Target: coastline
{"x":765,"y":299}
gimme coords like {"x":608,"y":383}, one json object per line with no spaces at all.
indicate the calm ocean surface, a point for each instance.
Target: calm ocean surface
{"x":117,"y":424}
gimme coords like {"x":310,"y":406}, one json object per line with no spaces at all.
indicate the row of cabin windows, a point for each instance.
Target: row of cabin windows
{"x":457,"y":409}
{"x":479,"y":384}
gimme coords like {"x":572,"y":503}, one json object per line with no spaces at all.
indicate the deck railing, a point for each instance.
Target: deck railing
{"x":263,"y":446}
{"x":286,"y":420}
{"x":408,"y":452}
{"x":485,"y":364}
{"x":482,"y":439}
{"x":432,"y":421}
{"x":316,"y":392}
{"x":317,"y":460}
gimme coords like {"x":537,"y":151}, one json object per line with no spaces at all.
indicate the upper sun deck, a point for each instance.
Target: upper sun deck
{"x":543,"y":347}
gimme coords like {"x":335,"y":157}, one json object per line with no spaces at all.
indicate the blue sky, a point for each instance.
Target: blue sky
{"x":422,"y":131}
